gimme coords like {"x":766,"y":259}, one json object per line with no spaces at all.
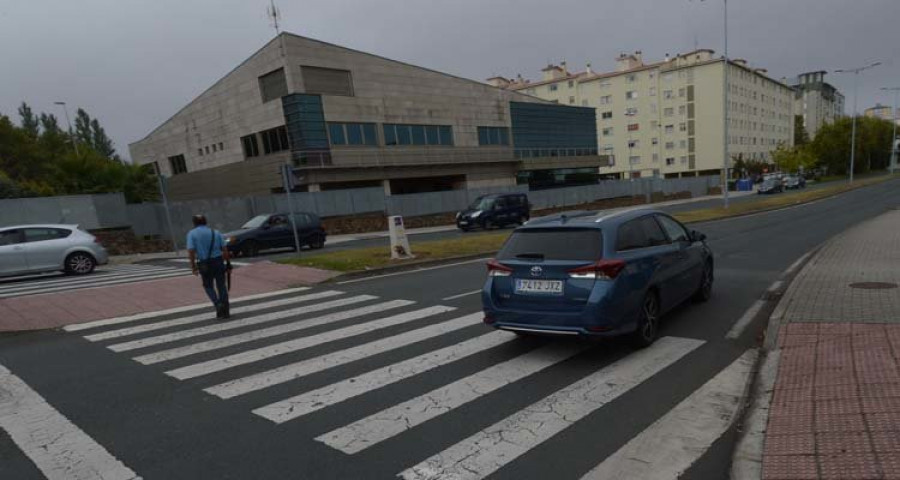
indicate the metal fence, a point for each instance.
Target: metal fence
{"x":111,"y":211}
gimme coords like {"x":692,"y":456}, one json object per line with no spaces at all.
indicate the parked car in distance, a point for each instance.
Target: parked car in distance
{"x":48,"y":248}
{"x":794,"y":182}
{"x":498,"y":210}
{"x":596,"y":274}
{"x":264,"y":232}
{"x":770,"y":185}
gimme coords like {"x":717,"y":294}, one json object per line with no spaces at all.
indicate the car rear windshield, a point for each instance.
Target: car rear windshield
{"x":553,"y":244}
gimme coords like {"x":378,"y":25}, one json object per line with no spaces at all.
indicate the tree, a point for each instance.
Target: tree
{"x":83,"y":128}
{"x":101,"y":143}
{"x":29,"y":120}
{"x":49,"y":124}
{"x":794,"y":159}
{"x":801,"y":136}
{"x":831,"y":146}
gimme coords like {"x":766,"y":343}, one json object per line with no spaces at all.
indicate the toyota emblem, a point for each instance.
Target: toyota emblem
{"x":536,"y":271}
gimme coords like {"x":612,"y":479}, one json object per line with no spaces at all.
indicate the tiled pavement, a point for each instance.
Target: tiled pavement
{"x":53,"y":310}
{"x":835,"y":409}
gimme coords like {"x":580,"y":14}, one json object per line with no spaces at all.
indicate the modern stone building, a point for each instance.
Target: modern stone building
{"x":666,"y":118}
{"x":883,"y":112}
{"x":348,"y":119}
{"x":817,"y":101}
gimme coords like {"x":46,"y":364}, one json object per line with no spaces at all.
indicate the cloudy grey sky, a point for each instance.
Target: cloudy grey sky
{"x":133,"y":63}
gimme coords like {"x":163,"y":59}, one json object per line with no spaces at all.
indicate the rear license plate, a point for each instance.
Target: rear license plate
{"x":552,"y":287}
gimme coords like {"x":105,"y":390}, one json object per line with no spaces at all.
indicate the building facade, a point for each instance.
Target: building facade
{"x":816,"y":101}
{"x":666,"y":118}
{"x":883,"y":112}
{"x":349,"y":119}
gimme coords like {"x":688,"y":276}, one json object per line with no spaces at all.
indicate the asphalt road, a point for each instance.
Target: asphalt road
{"x":167,"y":426}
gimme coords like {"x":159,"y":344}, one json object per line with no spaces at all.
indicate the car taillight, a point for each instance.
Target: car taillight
{"x":497,"y":269}
{"x":603,"y":269}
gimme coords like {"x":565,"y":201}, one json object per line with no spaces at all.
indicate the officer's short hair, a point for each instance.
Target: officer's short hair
{"x":198,"y":220}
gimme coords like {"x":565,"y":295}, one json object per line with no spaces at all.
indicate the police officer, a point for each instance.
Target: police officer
{"x":210,"y":258}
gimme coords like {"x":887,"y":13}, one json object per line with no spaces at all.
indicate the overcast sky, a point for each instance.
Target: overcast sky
{"x":134,"y":63}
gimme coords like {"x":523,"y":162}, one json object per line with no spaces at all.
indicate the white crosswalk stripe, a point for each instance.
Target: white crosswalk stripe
{"x":271,"y":332}
{"x":270,"y":327}
{"x":490,"y":449}
{"x":102,"y":277}
{"x":395,"y":420}
{"x":126,"y":332}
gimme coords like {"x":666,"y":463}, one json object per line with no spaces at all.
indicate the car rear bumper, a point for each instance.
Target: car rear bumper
{"x":559,"y":330}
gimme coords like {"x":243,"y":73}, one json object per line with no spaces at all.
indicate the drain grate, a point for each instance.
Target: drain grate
{"x":873,"y":285}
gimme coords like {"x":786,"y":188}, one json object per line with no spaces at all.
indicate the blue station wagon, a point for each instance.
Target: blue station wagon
{"x":596,"y":274}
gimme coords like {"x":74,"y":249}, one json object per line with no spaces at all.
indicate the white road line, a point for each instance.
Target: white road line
{"x":461,"y":295}
{"x":201,"y":317}
{"x":418,"y":270}
{"x":301,"y":325}
{"x":385,"y":424}
{"x":102,"y":284}
{"x":59,"y":449}
{"x":309,"y":402}
{"x":665,"y":449}
{"x":776,"y":286}
{"x":306,"y":367}
{"x":738,"y":328}
{"x":187,"y":260}
{"x":490,"y":449}
{"x":187,"y":308}
{"x":794,"y":266}
{"x":85,"y":280}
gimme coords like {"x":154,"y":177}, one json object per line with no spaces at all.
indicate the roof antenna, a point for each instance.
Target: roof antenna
{"x":274,"y":13}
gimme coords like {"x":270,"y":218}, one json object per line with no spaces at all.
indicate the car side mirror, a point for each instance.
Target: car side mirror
{"x":697,"y":236}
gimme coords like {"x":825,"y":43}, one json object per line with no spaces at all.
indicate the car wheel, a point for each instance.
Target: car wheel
{"x":80,"y":263}
{"x":250,"y":248}
{"x":648,"y":322}
{"x":704,"y":292}
{"x":318,"y":243}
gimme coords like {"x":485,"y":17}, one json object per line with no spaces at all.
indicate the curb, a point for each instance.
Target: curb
{"x":414,"y":265}
{"x":746,"y":460}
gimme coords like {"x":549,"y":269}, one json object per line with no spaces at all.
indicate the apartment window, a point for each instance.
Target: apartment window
{"x":571,"y":83}
{"x":352,"y":133}
{"x":605,"y":83}
{"x":606,"y":115}
{"x":554,"y":87}
{"x":632,"y":144}
{"x":653,"y":108}
{"x":221,"y":146}
{"x":667,"y":94}
{"x":400,"y":134}
{"x":651,"y":75}
{"x":251,"y":146}
{"x":682,"y":109}
{"x":606,"y":100}
{"x":682,"y":144}
{"x":631,"y":95}
{"x":652,"y":91}
{"x":635,"y":159}
{"x":273,"y":85}
{"x":683,"y":160}
{"x":631,"y":111}
{"x":206,"y":149}
{"x":608,"y":147}
{"x":178,"y":164}
{"x":681,"y":92}
{"x":654,"y":141}
{"x":631,"y":78}
{"x":571,"y":100}
{"x":608,"y":131}
{"x":670,"y":161}
{"x":584,"y":103}
{"x":655,"y":158}
{"x":327,"y":81}
{"x":670,"y":145}
{"x":667,"y":77}
{"x":493,"y":136}
{"x":682,"y":127}
{"x":200,"y":152}
{"x":215,"y":149}
{"x":654,"y":125}
{"x":274,"y":140}
{"x":668,"y":112}
{"x":633,"y":127}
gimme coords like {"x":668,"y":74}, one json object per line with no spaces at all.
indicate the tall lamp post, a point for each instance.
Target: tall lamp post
{"x":69,"y":123}
{"x":855,"y":72}
{"x":893,"y":164}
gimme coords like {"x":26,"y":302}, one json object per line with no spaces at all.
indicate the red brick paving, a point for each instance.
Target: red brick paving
{"x":53,"y":310}
{"x":835,"y":411}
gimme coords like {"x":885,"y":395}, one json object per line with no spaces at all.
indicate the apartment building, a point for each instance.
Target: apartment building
{"x":665,"y":118}
{"x":349,"y":119}
{"x":883,"y":112}
{"x":816,"y":101}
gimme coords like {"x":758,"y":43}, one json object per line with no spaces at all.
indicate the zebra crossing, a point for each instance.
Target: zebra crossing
{"x":260,"y":354}
{"x":101,"y":277}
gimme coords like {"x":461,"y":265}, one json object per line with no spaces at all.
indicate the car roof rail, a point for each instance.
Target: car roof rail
{"x":563,"y":217}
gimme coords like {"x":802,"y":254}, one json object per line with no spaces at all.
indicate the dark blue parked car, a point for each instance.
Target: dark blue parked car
{"x":263,"y":232}
{"x":596,"y":274}
{"x":496,"y":210}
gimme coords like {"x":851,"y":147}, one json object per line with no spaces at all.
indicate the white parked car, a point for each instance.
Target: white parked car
{"x":47,"y":248}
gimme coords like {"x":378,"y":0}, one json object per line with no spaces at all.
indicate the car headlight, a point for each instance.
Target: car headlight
{"x":475,"y":214}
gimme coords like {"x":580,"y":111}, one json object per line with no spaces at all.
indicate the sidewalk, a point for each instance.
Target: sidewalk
{"x":835,"y":408}
{"x":53,"y":310}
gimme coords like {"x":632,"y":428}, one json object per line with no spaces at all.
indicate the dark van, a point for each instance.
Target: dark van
{"x":263,"y":232}
{"x":498,"y":210}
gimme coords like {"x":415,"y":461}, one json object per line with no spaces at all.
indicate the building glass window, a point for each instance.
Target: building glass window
{"x":682,"y":127}
{"x":606,"y":100}
{"x":667,"y":94}
{"x":631,"y":111}
{"x":493,"y":136}
{"x":668,"y":112}
{"x":571,"y":83}
{"x":178,"y":164}
{"x":554,"y":87}
{"x":654,"y":141}
{"x":571,"y":100}
{"x":606,"y":115}
{"x":418,"y":134}
{"x":670,"y":128}
{"x":200,"y":152}
{"x":400,"y":134}
{"x":670,"y":145}
{"x":681,"y":92}
{"x":631,"y":95}
{"x":327,"y":81}
{"x":635,"y":159}
{"x":251,"y":146}
{"x":652,"y":91}
{"x":274,"y":140}
{"x":682,"y":109}
{"x":670,"y":161}
{"x":633,"y":127}
{"x":273,"y":85}
{"x":608,"y":131}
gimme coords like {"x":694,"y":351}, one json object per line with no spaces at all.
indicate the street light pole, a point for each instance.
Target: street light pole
{"x":69,"y":123}
{"x":726,"y":161}
{"x":893,"y":164}
{"x":855,"y":72}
